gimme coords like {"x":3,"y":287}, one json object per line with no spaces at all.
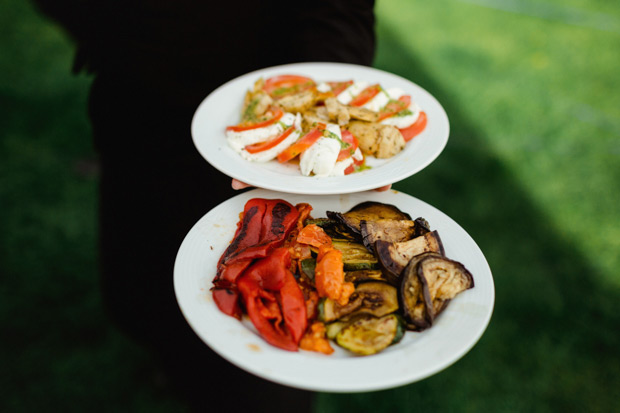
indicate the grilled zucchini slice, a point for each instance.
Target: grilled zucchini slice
{"x":376,"y":298}
{"x":369,"y":335}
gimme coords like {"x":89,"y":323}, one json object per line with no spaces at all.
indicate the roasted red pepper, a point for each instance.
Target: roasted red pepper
{"x":278,"y":220}
{"x":264,"y":226}
{"x":273,"y":300}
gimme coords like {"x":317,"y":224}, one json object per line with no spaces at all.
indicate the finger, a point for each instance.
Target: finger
{"x":236,"y":184}
{"x":383,"y":188}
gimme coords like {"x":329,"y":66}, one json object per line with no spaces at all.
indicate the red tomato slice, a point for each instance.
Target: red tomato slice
{"x":339,"y":87}
{"x":365,"y":95}
{"x":277,"y":114}
{"x":270,"y":143}
{"x":356,"y":164}
{"x":347,"y":137}
{"x":395,"y":106}
{"x":415,"y":129}
{"x":301,"y":145}
{"x":283,"y":85}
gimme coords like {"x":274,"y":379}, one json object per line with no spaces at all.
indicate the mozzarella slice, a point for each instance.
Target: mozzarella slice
{"x":402,"y":121}
{"x":321,"y":157}
{"x":340,"y":166}
{"x":376,"y":103}
{"x":394,"y":93}
{"x":239,"y":140}
{"x":346,"y":96}
{"x":323,"y":87}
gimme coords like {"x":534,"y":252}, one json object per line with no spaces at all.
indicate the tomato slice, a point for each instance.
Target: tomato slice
{"x":339,"y":87}
{"x":284,"y":85}
{"x":270,"y":143}
{"x":347,"y":137}
{"x":277,"y":113}
{"x":365,"y":95}
{"x":356,"y":164}
{"x":415,"y":129}
{"x":302,"y":144}
{"x":395,"y":106}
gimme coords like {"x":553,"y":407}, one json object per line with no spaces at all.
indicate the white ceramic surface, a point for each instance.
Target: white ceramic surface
{"x":417,"y":356}
{"x":222,"y":108}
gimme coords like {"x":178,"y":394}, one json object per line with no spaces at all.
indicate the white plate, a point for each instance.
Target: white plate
{"x":417,"y":356}
{"x":222,"y":108}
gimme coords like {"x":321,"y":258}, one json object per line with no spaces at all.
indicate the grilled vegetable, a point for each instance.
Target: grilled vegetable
{"x":355,"y":256}
{"x":394,"y":256}
{"x":308,"y":266}
{"x":369,"y":335}
{"x":368,"y":211}
{"x":332,"y":329}
{"x":391,"y":230}
{"x":334,"y":228}
{"x":375,"y":298}
{"x":361,"y":276}
{"x":429,"y":282}
{"x":321,"y":222}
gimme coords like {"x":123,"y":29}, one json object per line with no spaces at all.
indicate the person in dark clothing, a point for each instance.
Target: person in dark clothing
{"x":153,"y":62}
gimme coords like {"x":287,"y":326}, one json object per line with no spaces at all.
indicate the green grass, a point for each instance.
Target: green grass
{"x":531,"y":171}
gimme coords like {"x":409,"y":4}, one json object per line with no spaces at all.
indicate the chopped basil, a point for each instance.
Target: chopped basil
{"x":332,"y":135}
{"x":405,"y":112}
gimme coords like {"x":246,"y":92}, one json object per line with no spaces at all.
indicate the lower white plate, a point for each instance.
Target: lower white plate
{"x":416,"y":357}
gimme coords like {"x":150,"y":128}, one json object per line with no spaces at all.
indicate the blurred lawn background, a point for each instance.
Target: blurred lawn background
{"x":531,"y":171}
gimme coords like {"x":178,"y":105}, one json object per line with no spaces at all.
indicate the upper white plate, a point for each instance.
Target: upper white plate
{"x":417,"y":356}
{"x":222,"y":108}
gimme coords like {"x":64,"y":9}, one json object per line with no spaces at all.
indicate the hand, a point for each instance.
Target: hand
{"x":236,"y":184}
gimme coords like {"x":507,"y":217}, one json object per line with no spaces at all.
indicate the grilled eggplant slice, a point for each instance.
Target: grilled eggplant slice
{"x":376,"y":298}
{"x":394,"y":256}
{"x":429,"y":282}
{"x":321,"y":222}
{"x":369,"y":211}
{"x":422,"y":226}
{"x":391,"y":230}
{"x":369,"y":335}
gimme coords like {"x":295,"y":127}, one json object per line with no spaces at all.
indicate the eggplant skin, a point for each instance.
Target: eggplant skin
{"x":429,"y":282}
{"x":411,"y":298}
{"x":391,"y":230}
{"x":369,"y":211}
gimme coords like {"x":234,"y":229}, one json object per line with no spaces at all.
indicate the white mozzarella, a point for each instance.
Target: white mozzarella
{"x":239,"y":140}
{"x":270,"y":154}
{"x":404,"y":121}
{"x":394,"y":93}
{"x":357,"y":155}
{"x":340,"y":167}
{"x":323,"y":87}
{"x":346,"y":96}
{"x":320,"y":158}
{"x":334,"y":129}
{"x":377,"y":102}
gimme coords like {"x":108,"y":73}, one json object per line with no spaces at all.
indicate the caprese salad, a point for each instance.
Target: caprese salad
{"x":328,"y":128}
